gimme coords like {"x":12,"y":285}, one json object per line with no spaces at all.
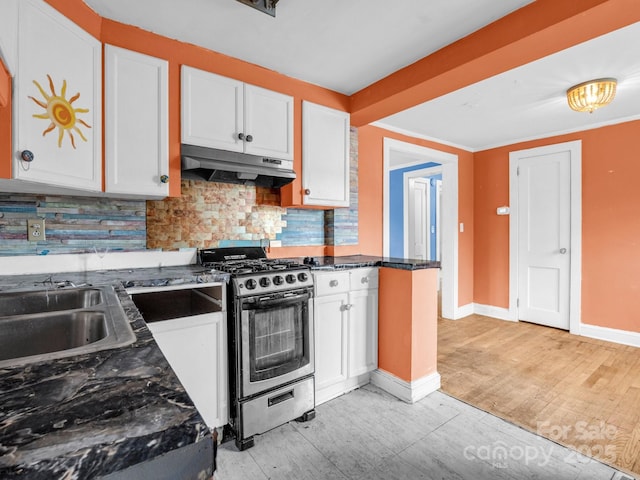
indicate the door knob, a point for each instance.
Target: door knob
{"x":563,"y":251}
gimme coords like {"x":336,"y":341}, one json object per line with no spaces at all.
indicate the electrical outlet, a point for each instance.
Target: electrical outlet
{"x":35,"y":230}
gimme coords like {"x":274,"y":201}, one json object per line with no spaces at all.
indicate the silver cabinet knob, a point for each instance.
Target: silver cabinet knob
{"x":307,"y":191}
{"x":563,"y":251}
{"x":249,"y":138}
{"x":364,"y":280}
{"x":241,"y":136}
{"x":333,"y":283}
{"x":27,"y":155}
{"x":164,"y":178}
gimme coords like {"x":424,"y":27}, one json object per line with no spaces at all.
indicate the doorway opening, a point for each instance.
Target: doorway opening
{"x":403,"y":155}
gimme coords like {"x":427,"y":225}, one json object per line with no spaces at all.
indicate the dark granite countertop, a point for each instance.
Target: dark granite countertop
{"x":357,"y":261}
{"x":90,"y":415}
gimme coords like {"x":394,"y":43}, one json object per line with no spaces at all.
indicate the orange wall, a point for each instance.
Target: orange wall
{"x":370,"y":165}
{"x":610,"y":224}
{"x":407,"y":323}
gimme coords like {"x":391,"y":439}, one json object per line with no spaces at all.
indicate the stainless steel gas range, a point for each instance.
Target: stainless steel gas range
{"x":271,"y":345}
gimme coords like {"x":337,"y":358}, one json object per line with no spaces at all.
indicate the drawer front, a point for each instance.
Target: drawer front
{"x":364,"y":278}
{"x":328,"y":283}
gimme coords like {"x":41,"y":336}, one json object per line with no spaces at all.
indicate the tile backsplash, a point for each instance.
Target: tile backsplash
{"x":207,"y":214}
{"x":72,"y":224}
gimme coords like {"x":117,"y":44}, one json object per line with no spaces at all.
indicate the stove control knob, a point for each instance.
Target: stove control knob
{"x":291,"y":278}
{"x":250,"y":284}
{"x":303,"y":276}
{"x":278,"y":280}
{"x":265,"y":282}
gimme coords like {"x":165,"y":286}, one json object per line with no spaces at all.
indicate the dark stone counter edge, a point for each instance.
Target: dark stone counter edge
{"x":359,"y":261}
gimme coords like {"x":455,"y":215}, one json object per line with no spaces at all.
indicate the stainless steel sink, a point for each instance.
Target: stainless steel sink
{"x":39,"y":301}
{"x":40,"y":325}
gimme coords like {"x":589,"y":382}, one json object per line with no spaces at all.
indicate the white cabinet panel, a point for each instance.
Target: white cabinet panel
{"x":212,"y":110}
{"x":325,"y":156}
{"x":224,"y":113}
{"x":363,"y":331}
{"x":58,"y":100}
{"x":346,"y":326}
{"x":269,"y":120}
{"x":330,"y":317}
{"x":137,"y":122}
{"x":196,"y":348}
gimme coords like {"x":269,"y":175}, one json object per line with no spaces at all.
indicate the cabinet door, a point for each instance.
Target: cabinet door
{"x":196,"y":349}
{"x":58,"y":98}
{"x":137,"y":119}
{"x":269,"y":121}
{"x":363,"y":331}
{"x":212,"y":110}
{"x":325,"y":156}
{"x":330,"y":317}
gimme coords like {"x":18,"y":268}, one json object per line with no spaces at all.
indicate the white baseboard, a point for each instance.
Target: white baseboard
{"x":494,"y":312}
{"x":409,"y":392}
{"x":463,"y":311}
{"x":614,"y":335}
{"x":610,"y":335}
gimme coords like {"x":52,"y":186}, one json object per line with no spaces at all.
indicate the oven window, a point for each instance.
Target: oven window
{"x":278,"y":340}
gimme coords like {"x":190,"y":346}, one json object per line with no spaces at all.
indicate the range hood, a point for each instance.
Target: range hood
{"x":214,"y":165}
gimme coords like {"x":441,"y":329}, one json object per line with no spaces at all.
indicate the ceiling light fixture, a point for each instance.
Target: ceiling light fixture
{"x":265,"y":6}
{"x":591,"y":95}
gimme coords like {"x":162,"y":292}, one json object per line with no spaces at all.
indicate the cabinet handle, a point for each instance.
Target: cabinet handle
{"x":346,"y":306}
{"x":249,"y":138}
{"x":164,"y":178}
{"x":241,"y":136}
{"x":27,"y":155}
{"x":333,"y":283}
{"x":364,"y":280}
{"x":307,"y":191}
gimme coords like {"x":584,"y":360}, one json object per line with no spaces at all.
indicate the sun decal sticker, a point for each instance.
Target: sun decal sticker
{"x":60,"y":112}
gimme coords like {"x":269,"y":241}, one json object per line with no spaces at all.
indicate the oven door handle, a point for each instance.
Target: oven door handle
{"x":268,"y":302}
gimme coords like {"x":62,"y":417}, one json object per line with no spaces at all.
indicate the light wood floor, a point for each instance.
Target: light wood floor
{"x":580,"y":392}
{"x":369,"y":435}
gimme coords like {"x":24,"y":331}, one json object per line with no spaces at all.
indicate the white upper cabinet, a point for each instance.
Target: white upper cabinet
{"x":268,"y":120}
{"x":57,"y":101}
{"x":136,"y":123}
{"x":325,"y":156}
{"x":223,"y":113}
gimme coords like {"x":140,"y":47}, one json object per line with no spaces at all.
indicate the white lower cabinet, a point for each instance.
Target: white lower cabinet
{"x":190,"y":327}
{"x":346,"y":330}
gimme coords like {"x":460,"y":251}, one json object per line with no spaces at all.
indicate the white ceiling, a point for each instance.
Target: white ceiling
{"x":345,"y":45}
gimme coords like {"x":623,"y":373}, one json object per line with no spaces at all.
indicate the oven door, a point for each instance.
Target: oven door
{"x":276,"y":340}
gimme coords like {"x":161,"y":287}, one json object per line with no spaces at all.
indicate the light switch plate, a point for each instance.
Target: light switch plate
{"x":35,"y":230}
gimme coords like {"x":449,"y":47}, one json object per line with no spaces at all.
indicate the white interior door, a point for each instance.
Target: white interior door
{"x":544,"y":238}
{"x":418,"y":218}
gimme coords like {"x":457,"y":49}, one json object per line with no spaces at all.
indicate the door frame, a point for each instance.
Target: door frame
{"x":415,"y":155}
{"x":406,"y":178}
{"x":575,"y":250}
